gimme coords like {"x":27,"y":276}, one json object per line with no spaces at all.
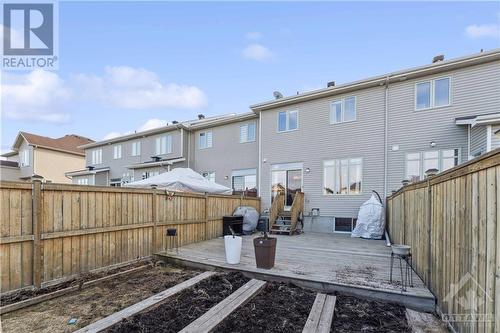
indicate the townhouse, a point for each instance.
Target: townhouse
{"x":335,"y":144}
{"x":47,"y":158}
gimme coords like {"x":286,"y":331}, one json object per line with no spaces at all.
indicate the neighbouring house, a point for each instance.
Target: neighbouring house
{"x":44,"y":157}
{"x":335,"y":144}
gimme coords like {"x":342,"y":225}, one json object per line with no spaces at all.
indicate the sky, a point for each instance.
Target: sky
{"x":126,"y":66}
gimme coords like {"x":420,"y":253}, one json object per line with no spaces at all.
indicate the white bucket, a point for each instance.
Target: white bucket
{"x":233,"y":249}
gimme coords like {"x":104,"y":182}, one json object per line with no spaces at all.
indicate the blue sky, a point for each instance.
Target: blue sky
{"x":124,"y":63}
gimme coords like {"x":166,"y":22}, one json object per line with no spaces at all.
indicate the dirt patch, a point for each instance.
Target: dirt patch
{"x":278,"y":308}
{"x":94,"y":303}
{"x":356,"y":315}
{"x":22,"y":295}
{"x":182,"y":309}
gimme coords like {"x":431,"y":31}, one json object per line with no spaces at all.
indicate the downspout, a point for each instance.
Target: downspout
{"x":189,"y":149}
{"x":182,"y":142}
{"x":386,"y":119}
{"x":488,"y":138}
{"x":259,"y":169}
{"x":468,"y":142}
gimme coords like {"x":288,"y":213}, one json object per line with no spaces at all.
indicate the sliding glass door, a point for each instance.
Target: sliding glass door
{"x":286,"y":178}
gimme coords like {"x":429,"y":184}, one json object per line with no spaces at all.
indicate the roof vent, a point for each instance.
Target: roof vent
{"x":156,"y":158}
{"x":330,"y":84}
{"x":90,"y":168}
{"x":175,"y":122}
{"x":438,"y":58}
{"x":277,"y":95}
{"x":201,"y":116}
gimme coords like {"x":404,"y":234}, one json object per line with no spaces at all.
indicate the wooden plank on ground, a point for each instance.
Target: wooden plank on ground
{"x":116,"y":317}
{"x":422,"y":322}
{"x":223,"y":309}
{"x":321,"y":315}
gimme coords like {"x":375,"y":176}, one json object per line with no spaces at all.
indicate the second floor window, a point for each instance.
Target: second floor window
{"x":342,"y":176}
{"x":343,"y":110}
{"x":24,"y":158}
{"x":136,"y":148}
{"x":247,"y":133}
{"x":163,"y":145}
{"x":117,"y":152}
{"x":205,"y":140}
{"x":288,"y":121}
{"x":433,"y":93}
{"x":97,"y":156}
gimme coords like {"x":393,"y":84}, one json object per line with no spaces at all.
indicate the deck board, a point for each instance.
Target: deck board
{"x":333,"y":261}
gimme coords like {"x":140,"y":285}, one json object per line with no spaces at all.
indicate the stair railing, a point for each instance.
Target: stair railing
{"x":296,"y":209}
{"x":277,"y":207}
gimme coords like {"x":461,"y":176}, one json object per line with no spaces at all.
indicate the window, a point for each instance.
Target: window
{"x":418,"y":163}
{"x":209,"y":175}
{"x":288,"y":121}
{"x":24,"y":157}
{"x":343,"y":110}
{"x":433,"y":93}
{"x":244,"y":180}
{"x":247,"y":133}
{"x":343,"y":176}
{"x":163,"y":145}
{"x":345,"y":224}
{"x":149,"y":174}
{"x":205,"y":140}
{"x":97,"y":156}
{"x":82,"y":181}
{"x":136,"y":148}
{"x":127,"y":177}
{"x":117,"y":152}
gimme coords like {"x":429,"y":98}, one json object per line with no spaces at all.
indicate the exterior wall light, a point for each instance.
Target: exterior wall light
{"x":308,"y":170}
{"x":432,"y":144}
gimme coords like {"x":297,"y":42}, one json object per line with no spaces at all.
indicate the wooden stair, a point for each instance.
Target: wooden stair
{"x":282,"y":221}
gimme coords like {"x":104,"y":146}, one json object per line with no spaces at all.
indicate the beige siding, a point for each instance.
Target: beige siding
{"x":52,"y":165}
{"x":9,"y":173}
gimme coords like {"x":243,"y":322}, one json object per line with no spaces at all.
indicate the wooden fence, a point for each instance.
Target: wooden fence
{"x":451,"y":222}
{"x":53,"y":231}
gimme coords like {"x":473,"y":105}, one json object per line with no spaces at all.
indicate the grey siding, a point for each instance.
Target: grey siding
{"x":227,"y":153}
{"x":9,"y":173}
{"x":474,"y":91}
{"x":495,"y":138}
{"x":477,"y":140}
{"x":316,"y":140}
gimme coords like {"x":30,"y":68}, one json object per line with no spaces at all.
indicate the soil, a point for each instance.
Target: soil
{"x":93,"y":303}
{"x":182,"y":309}
{"x":356,"y":315}
{"x":22,"y":295}
{"x":278,"y":308}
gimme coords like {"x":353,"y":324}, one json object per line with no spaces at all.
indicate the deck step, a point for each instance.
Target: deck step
{"x":211,"y":318}
{"x":321,"y":316}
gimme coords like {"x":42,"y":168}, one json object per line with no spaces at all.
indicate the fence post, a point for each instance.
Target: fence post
{"x":37,"y":220}
{"x":206,"y":216}
{"x":155,"y":218}
{"x":429,"y":231}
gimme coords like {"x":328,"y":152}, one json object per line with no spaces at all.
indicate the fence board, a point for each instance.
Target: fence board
{"x":82,"y":228}
{"x":463,"y":265}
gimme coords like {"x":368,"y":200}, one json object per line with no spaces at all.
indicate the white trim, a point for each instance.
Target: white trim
{"x":488,"y":138}
{"x":259,"y":171}
{"x":155,"y":164}
{"x":206,"y":139}
{"x":287,"y":121}
{"x":342,"y":101}
{"x":247,"y":125}
{"x":348,"y":178}
{"x":469,"y":157}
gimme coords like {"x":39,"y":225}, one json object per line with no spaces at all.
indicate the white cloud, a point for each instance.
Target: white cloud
{"x":112,"y":135}
{"x":39,"y":96}
{"x":16,"y":37}
{"x":44,"y":96}
{"x":483,"y":31}
{"x":257,"y":52}
{"x":151,"y":124}
{"x":253,"y":35}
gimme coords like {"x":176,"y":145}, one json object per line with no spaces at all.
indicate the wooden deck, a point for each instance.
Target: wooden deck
{"x":325,"y":262}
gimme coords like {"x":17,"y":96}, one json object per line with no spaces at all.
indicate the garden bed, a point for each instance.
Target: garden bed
{"x":96,"y":302}
{"x":182,"y":309}
{"x":279,"y":307}
{"x":357,"y":315}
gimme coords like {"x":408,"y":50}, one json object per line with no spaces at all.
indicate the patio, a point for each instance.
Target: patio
{"x":325,"y":262}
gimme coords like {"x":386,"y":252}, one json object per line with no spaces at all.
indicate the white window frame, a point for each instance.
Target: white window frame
{"x":135,"y":148}
{"x":209,"y":175}
{"x":24,"y":158}
{"x":205,"y":133}
{"x":348,"y":177}
{"x":82,"y":181}
{"x":117,"y":152}
{"x":432,"y":93}
{"x":96,"y":156}
{"x":246,"y":139}
{"x":342,"y":110}
{"x":164,"y":141}
{"x":421,"y":160}
{"x":243,"y":173}
{"x":287,"y":121}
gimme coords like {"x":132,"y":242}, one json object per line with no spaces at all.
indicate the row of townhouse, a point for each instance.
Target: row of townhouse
{"x":335,"y":144}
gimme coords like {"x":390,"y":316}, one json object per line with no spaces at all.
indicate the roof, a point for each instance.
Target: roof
{"x":12,"y":164}
{"x":381,"y":80}
{"x":163,"y":162}
{"x":68,"y":143}
{"x":194,"y":124}
{"x":483,"y":119}
{"x":88,"y":171}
